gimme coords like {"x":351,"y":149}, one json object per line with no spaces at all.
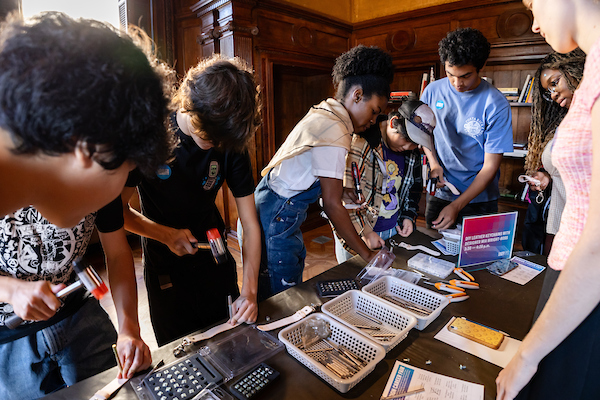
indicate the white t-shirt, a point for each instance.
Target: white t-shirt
{"x":297,"y":174}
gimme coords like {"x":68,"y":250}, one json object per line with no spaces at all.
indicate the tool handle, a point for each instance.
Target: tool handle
{"x":14,"y":321}
{"x":356,"y":179}
{"x":464,"y":284}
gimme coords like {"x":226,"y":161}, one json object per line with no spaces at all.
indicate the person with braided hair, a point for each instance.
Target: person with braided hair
{"x":556,"y":79}
{"x":311,"y":162}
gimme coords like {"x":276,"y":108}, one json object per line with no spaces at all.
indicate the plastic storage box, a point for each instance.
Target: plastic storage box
{"x":397,"y":288}
{"x":349,"y":306}
{"x":360,"y":345}
{"x":431,"y":265}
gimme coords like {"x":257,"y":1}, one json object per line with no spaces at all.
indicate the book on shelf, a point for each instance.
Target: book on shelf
{"x":509,"y":91}
{"x":424,"y":81}
{"x":399,"y":95}
{"x":525,"y":88}
{"x":528,"y":99}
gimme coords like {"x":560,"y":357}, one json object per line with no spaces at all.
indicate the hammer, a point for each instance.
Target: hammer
{"x":87,"y":278}
{"x":215,"y":245}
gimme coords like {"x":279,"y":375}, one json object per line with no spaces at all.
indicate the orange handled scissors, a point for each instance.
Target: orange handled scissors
{"x":463,"y":274}
{"x":463,"y":284}
{"x":445,"y":287}
{"x":456,"y":297}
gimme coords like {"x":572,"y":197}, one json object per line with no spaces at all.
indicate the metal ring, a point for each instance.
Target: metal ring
{"x":540,"y":197}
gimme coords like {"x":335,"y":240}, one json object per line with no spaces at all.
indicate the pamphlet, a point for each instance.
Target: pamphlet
{"x":405,"y":378}
{"x":523,"y":272}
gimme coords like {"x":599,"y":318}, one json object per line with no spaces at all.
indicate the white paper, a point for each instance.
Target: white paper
{"x":405,"y":378}
{"x":523,"y":272}
{"x":499,"y":357}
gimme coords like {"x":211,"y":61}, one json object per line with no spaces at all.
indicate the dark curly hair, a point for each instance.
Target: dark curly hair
{"x":368,"y":67}
{"x":222,"y":99}
{"x":66,"y":81}
{"x":547,"y":115}
{"x":464,"y":46}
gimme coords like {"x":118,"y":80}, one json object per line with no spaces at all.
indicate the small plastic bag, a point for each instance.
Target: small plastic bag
{"x":376,"y":267}
{"x":501,"y":267}
{"x":313,"y":331}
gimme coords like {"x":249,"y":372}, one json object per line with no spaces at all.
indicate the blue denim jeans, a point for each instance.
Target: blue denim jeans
{"x":69,"y":351}
{"x":282,"y":261}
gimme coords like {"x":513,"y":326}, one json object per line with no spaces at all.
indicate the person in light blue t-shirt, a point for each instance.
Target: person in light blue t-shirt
{"x":474,"y":129}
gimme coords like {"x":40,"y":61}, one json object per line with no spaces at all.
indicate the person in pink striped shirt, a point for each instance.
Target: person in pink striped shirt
{"x":559,"y":356}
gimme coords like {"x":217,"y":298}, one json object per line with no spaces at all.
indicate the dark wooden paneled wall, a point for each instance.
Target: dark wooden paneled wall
{"x":293,"y":50}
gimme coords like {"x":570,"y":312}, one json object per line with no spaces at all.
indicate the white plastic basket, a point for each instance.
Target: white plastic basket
{"x":397,"y":288}
{"x":360,"y":345}
{"x":348,"y":307}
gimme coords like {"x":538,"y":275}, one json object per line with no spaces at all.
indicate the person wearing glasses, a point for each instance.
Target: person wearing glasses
{"x":389,"y":169}
{"x":558,"y":359}
{"x":474,"y":129}
{"x":556,"y":79}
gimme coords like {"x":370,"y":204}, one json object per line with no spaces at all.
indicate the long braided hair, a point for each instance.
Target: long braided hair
{"x":546,"y":115}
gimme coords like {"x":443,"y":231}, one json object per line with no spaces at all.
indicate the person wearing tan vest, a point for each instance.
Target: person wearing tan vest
{"x":311,"y":163}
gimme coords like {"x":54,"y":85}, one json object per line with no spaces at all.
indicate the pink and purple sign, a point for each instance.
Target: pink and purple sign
{"x":487,"y":238}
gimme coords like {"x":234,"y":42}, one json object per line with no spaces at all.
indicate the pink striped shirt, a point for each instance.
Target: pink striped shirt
{"x":572,"y":155}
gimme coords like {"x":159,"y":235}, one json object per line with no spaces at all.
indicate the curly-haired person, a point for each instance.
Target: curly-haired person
{"x":474,"y":129}
{"x":311,"y":162}
{"x":556,"y":79}
{"x":80,"y":106}
{"x":218,"y":111}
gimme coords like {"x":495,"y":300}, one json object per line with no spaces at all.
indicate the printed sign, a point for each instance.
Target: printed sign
{"x":487,"y":238}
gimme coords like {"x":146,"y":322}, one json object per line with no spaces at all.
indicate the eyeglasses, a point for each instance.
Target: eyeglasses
{"x":547,"y":94}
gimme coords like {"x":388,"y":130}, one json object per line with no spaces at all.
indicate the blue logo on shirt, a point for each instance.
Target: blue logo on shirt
{"x":164,"y":172}
{"x":439,"y":104}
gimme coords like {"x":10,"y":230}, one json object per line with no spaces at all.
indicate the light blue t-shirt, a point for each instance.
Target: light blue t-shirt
{"x":468,"y":125}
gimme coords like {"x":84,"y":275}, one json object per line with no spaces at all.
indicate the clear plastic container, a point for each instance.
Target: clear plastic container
{"x":376,"y":267}
{"x":431,"y":265}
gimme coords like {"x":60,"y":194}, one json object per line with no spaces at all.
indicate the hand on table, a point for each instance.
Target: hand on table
{"x":134,"y":355}
{"x":245,"y":309}
{"x":407,"y":228}
{"x":446,"y":218}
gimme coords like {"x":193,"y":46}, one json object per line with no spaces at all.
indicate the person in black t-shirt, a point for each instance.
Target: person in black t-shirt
{"x":217,"y":113}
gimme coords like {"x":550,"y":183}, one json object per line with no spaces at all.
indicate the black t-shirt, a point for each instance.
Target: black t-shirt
{"x":182,"y":194}
{"x":110,"y":217}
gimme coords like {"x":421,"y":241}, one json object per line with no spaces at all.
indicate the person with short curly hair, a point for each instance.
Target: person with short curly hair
{"x":80,"y":105}
{"x":75,"y":117}
{"x":218,"y":111}
{"x":311,"y":162}
{"x":474,"y":129}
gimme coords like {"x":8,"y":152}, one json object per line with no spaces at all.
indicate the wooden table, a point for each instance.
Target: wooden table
{"x":504,"y":305}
